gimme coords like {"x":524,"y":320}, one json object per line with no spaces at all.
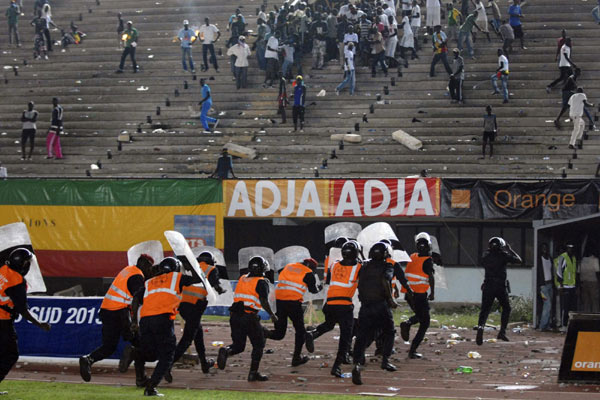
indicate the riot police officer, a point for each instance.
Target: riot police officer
{"x":13,"y":301}
{"x":251,"y":294}
{"x":375,"y":295}
{"x":343,"y":281}
{"x":419,"y":274}
{"x":495,"y":285}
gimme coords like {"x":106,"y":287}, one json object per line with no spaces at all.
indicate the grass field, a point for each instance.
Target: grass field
{"x":53,"y":391}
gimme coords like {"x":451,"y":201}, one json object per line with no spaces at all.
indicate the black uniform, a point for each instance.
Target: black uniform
{"x":9,"y":349}
{"x":292,"y":309}
{"x":495,"y":285}
{"x":375,"y":314}
{"x":401,"y":278}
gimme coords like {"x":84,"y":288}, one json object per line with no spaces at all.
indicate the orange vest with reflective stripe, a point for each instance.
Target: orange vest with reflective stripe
{"x":206,"y":268}
{"x":326,"y":269}
{"x":193,"y":294}
{"x":417,"y":279}
{"x":8,"y":278}
{"x":343,"y":280}
{"x":118,"y":297}
{"x":245,"y":292}
{"x":162,"y":295}
{"x":291,"y":284}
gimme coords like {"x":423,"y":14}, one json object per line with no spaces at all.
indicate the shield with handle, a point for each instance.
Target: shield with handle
{"x":226,"y":298}
{"x":181,"y":248}
{"x":153,"y":248}
{"x":13,"y":236}
{"x":244,"y":256}
{"x":290,"y":255}
{"x":439,"y":270}
{"x":347,"y":229}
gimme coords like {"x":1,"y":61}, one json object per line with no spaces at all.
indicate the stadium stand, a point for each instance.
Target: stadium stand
{"x":100,"y":105}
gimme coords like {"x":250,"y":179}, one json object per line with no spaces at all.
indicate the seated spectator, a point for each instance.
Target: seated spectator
{"x":224,"y":168}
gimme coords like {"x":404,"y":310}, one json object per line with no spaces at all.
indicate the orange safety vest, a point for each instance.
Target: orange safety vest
{"x":193,"y":294}
{"x":343,"y":281}
{"x":118,"y":297}
{"x":291,"y":284}
{"x":326,"y":268}
{"x":162,"y":295}
{"x":417,"y":279}
{"x":206,"y":268}
{"x":8,"y":279}
{"x":245,"y":292}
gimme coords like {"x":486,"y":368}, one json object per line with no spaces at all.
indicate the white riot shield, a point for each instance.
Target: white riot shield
{"x":244,"y":256}
{"x":151,"y":247}
{"x":225,"y":299}
{"x":14,"y":235}
{"x":290,"y":255}
{"x":373,"y":234}
{"x":335,"y":254}
{"x":439,"y":270}
{"x":181,"y":248}
{"x":400,"y":256}
{"x":356,"y":304}
{"x":347,"y":229}
{"x":435,"y":248}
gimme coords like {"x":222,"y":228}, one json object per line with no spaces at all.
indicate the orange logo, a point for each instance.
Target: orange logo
{"x":587,"y":352}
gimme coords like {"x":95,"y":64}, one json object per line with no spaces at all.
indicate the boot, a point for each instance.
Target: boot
{"x":168,"y":376}
{"x":85,"y":368}
{"x":347,"y":359}
{"x":299,"y":360}
{"x":502,"y":336}
{"x":336,"y":370}
{"x":254,"y":375}
{"x":310,"y":342}
{"x":388,"y":366}
{"x":151,"y":391}
{"x":141,"y":380}
{"x":222,"y":357}
{"x":206,"y":364}
{"x":414,"y":355}
{"x":126,"y":358}
{"x":356,"y":378}
{"x":405,"y":331}
{"x":479,"y":338}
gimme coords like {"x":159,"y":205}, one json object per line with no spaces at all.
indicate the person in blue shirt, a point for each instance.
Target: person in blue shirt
{"x":186,"y":36}
{"x":515,"y":14}
{"x":206,"y":104}
{"x":299,"y":100}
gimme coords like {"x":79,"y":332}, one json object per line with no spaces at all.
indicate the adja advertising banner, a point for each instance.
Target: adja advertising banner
{"x":319,"y":198}
{"x":519,"y":200}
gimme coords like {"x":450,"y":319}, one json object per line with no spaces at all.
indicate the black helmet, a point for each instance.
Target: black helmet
{"x":380,"y":251}
{"x":19,"y":260}
{"x":339,"y":242}
{"x":350,"y":250}
{"x":207,"y":257}
{"x":145,"y":263}
{"x":169,"y":264}
{"x":496,"y":243}
{"x":258,"y":265}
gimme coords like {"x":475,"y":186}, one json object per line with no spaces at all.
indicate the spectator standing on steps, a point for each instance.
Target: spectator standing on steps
{"x":433,"y":16}
{"x":465,"y":32}
{"x":318,"y":31}
{"x":12,"y":15}
{"x":186,"y":36}
{"x":490,"y":129}
{"x":377,"y":51}
{"x":577,"y":102}
{"x":131,"y":42}
{"x":457,"y":78}
{"x":440,"y":51}
{"x":272,"y":58}
{"x":454,"y":22}
{"x":349,"y":71}
{"x":482,"y":20}
{"x":208,"y":32}
{"x":565,"y":65}
{"x":415,"y":23}
{"x":206,"y":104}
{"x":502,"y":74}
{"x":496,"y":15}
{"x":29,"y":119}
{"x":120,"y":29}
{"x":241,"y":51}
{"x":53,"y":146}
{"x":299,"y":102}
{"x":282,"y":99}
{"x":568,"y":90}
{"x":47,"y":17}
{"x":224,"y":168}
{"x":514,"y":11}
{"x":508,"y":37}
{"x":596,"y":13}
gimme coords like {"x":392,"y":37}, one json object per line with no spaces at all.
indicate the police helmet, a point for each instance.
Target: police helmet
{"x":496,"y":243}
{"x":380,"y":251}
{"x":339,"y":242}
{"x":19,"y":260}
{"x":423,"y":242}
{"x":169,"y":264}
{"x":258,"y":265}
{"x":350,"y":250}
{"x":145,"y":263}
{"x":207,"y":257}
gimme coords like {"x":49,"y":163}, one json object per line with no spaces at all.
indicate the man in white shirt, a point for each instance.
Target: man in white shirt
{"x":565,"y":65}
{"x":186,"y":38}
{"x":408,"y":40}
{"x":546,"y":282}
{"x":576,"y":103}
{"x":433,"y":8}
{"x":29,"y":119}
{"x":272,"y":59}
{"x":502,"y":74}
{"x":349,"y":75}
{"x":406,"y":7}
{"x":209,"y":34}
{"x":350,"y":37}
{"x":415,"y":23}
{"x":241,"y":51}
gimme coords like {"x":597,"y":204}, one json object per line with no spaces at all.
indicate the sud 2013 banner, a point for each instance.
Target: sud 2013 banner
{"x":352,"y":198}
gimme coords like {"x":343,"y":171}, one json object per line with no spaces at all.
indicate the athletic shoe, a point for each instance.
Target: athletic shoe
{"x":388,"y":366}
{"x":414,"y":355}
{"x":207,"y":364}
{"x":336,"y":371}
{"x":85,"y":368}
{"x":479,"y":338}
{"x":151,"y":391}
{"x":502,"y":336}
{"x":255,"y":376}
{"x":299,"y":360}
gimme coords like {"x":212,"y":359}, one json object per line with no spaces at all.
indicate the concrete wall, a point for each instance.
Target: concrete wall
{"x":464,"y":284}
